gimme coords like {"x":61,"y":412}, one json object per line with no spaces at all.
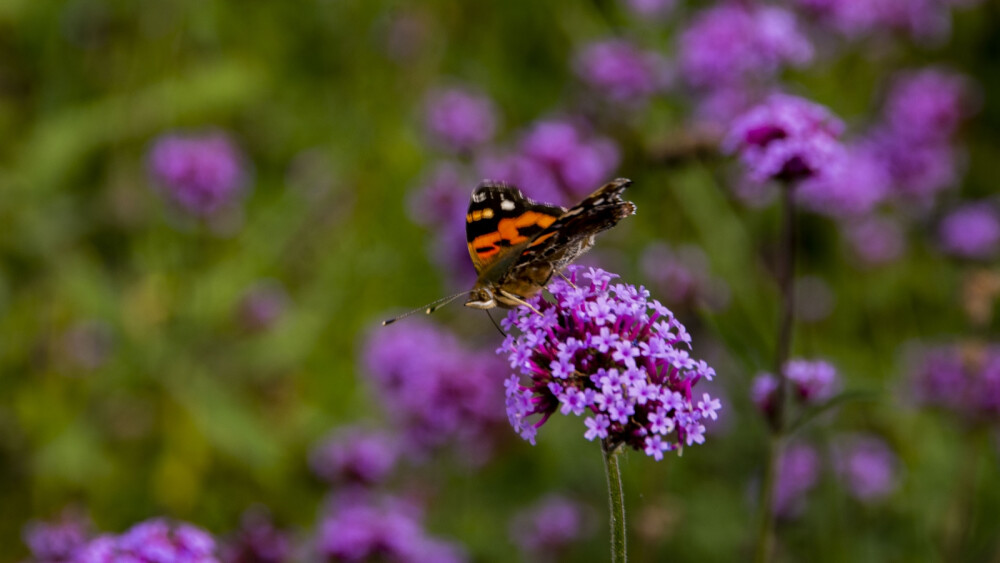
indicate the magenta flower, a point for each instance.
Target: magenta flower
{"x":965,"y":382}
{"x":875,"y":240}
{"x":365,"y":527}
{"x":797,"y":473}
{"x":971,"y":231}
{"x":852,"y":187}
{"x":439,"y":204}
{"x":928,"y":105}
{"x":786,"y":138}
{"x":460,"y":119}
{"x":549,"y":527}
{"x":201,"y":173}
{"x":152,"y":540}
{"x":435,"y":390}
{"x":257,"y":541}
{"x":611,"y":354}
{"x":729,"y":43}
{"x":812,"y":382}
{"x":867,"y":466}
{"x":354,"y":455}
{"x":59,"y":541}
{"x":620,"y":70}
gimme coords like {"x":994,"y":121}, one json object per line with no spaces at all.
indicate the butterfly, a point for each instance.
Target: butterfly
{"x":517,"y":245}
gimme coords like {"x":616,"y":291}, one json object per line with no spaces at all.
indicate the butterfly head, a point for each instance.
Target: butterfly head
{"x":481,"y":298}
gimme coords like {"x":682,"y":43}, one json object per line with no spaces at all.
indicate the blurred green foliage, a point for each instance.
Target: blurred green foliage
{"x":192,"y":416}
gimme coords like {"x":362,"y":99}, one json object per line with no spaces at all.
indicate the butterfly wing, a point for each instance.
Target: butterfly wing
{"x":500,"y":222}
{"x":569,"y":236}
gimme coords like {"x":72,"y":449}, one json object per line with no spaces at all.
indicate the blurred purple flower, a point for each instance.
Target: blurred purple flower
{"x":365,"y":527}
{"x":651,"y":9}
{"x":683,"y":276}
{"x":262,"y":305}
{"x":547,"y":528}
{"x":812,"y":382}
{"x":875,"y":240}
{"x":867,"y":466}
{"x":440,"y":205}
{"x":971,"y":231}
{"x":717,"y":108}
{"x":928,"y":105}
{"x":460,"y":118}
{"x":786,"y":138}
{"x":354,"y":455}
{"x":729,"y":43}
{"x":918,"y":170}
{"x":535,"y":178}
{"x":437,"y":391}
{"x":797,"y":473}
{"x":202,"y":173}
{"x":152,"y":540}
{"x":965,"y":381}
{"x":257,"y":541}
{"x":620,"y":70}
{"x":856,"y":18}
{"x":613,"y":354}
{"x":852,"y":186}
{"x":59,"y":541}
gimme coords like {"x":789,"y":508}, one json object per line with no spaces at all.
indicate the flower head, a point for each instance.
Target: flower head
{"x":875,"y":240}
{"x":435,"y":390}
{"x":729,"y":43}
{"x":152,"y":540}
{"x":610,"y":353}
{"x":620,"y":70}
{"x":867,"y":466}
{"x":354,"y":455}
{"x":962,"y":380}
{"x":797,"y":473}
{"x":971,"y":231}
{"x":786,"y":138}
{"x":812,"y":382}
{"x":366,"y":527}
{"x":202,"y":173}
{"x":549,"y":526}
{"x":461,"y":119}
{"x":928,"y":105}
{"x":58,"y":541}
{"x":257,"y":541}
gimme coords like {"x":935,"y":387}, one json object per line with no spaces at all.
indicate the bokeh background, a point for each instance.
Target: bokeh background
{"x":207,"y":207}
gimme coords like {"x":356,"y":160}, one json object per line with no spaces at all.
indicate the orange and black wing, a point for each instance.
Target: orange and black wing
{"x":572,"y":234}
{"x":501,"y":219}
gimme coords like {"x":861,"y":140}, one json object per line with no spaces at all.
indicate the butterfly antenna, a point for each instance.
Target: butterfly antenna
{"x":490,"y":315}
{"x":428,"y":308}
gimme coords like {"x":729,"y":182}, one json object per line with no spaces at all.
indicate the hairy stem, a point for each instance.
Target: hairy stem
{"x":616,"y":501}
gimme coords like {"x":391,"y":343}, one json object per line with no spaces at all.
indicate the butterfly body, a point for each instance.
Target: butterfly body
{"x":517,"y":245}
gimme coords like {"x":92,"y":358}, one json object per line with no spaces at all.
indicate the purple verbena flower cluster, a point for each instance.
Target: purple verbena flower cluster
{"x":355,"y":455}
{"x":437,"y":391}
{"x":460,"y":119}
{"x":549,"y":526}
{"x":971,"y":231}
{"x":812,"y":382}
{"x":257,"y":541}
{"x":867,"y":466}
{"x":730,"y":43}
{"x":797,"y":473}
{"x":152,"y":540}
{"x":609,"y":352}
{"x":201,"y":173}
{"x":786,"y":138}
{"x":620,"y":70}
{"x":361,"y":526}
{"x":965,"y":381}
{"x":58,"y":541}
{"x":682,"y":275}
{"x":557,"y":161}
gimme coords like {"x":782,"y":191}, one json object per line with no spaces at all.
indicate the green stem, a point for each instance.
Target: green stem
{"x":786,"y":287}
{"x":616,"y":501}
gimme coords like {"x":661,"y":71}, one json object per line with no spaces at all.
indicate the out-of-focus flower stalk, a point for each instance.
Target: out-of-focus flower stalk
{"x":616,"y":500}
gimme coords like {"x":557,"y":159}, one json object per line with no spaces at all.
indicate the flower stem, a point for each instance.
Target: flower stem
{"x":786,"y":287}
{"x":616,"y":501}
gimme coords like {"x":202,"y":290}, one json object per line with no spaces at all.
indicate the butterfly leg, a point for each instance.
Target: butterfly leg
{"x":565,"y":279}
{"x":514,"y":299}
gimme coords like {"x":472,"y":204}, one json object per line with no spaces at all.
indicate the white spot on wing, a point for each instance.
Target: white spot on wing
{"x":507,"y":205}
